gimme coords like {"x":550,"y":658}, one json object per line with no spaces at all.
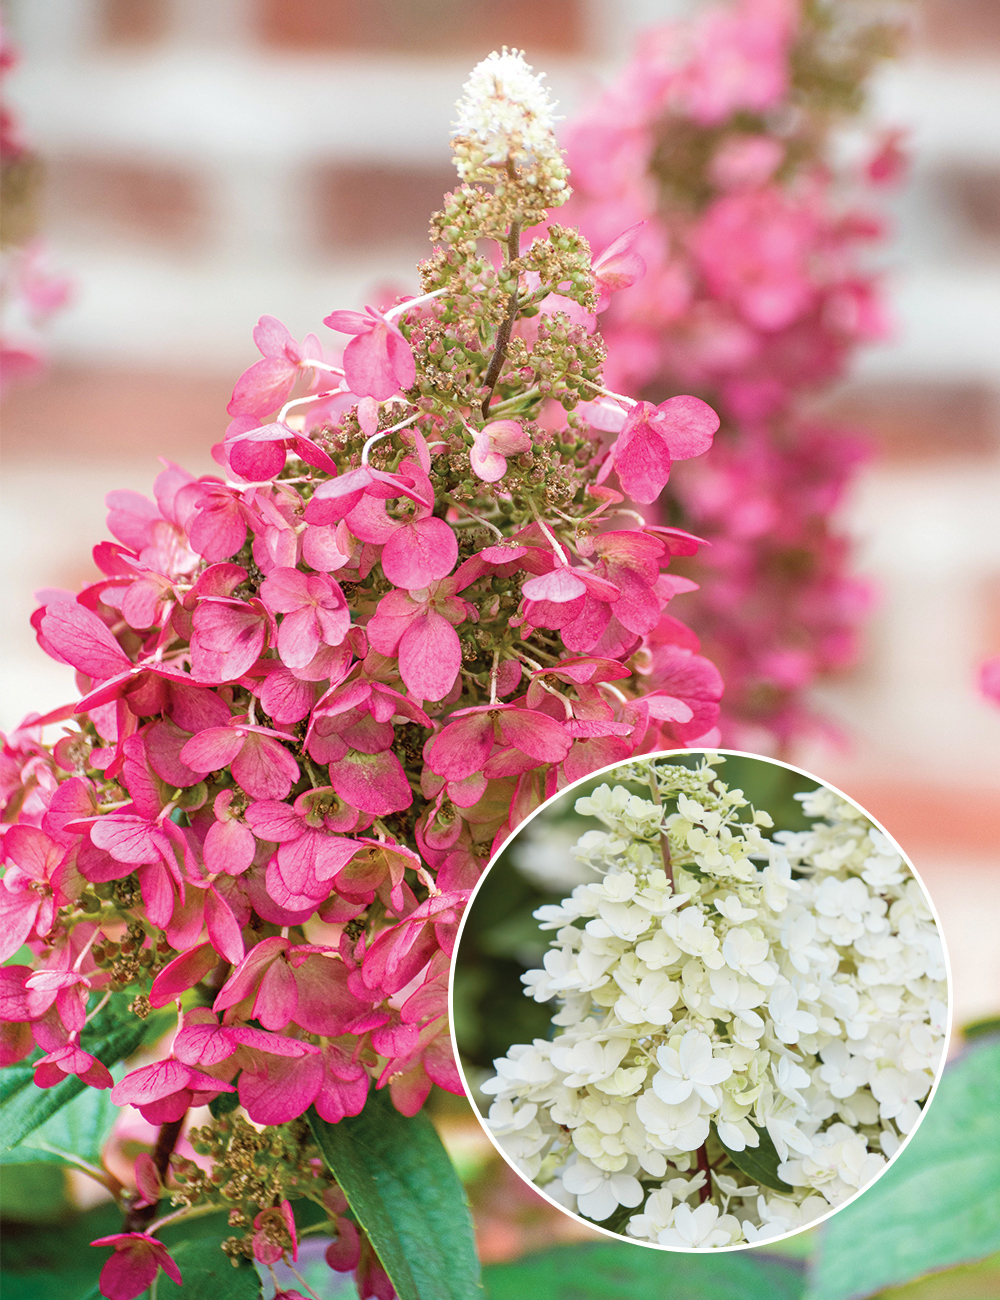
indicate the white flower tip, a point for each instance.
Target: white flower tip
{"x":504,"y":105}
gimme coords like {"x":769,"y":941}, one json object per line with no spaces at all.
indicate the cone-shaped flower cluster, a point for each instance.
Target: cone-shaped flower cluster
{"x":319,"y":688}
{"x":715,"y":144}
{"x":738,"y":1047}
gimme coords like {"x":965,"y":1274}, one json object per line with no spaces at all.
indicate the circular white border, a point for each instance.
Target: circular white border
{"x":743,"y":1245}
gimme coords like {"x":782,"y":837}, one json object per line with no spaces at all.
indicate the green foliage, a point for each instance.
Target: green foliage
{"x":55,"y":1261}
{"x":208,"y":1274}
{"x":490,"y":1009}
{"x":79,"y":1128}
{"x":938,"y":1205}
{"x":759,"y":1163}
{"x":967,"y":1282}
{"x":113,"y":1034}
{"x":33,"y":1192}
{"x":405,"y":1193}
{"x":624,"y":1271}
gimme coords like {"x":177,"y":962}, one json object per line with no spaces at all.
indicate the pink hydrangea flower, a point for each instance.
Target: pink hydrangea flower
{"x":493,"y":443}
{"x":133,"y":1267}
{"x":378,"y":361}
{"x":268,"y":382}
{"x":653,"y":437}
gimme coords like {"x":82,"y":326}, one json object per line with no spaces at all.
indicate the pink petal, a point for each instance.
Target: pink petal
{"x":147,"y":1179}
{"x":461,"y":748}
{"x":244,"y":979}
{"x":535,"y":734}
{"x":335,"y":1099}
{"x":420,"y":553}
{"x":374,"y":783}
{"x":213,"y":749}
{"x":560,"y":586}
{"x":82,"y":640}
{"x":487,"y":463}
{"x":131,"y":517}
{"x":281,"y":1088}
{"x":274,"y":340}
{"x":641,"y":456}
{"x":263,"y":387}
{"x":687,"y":425}
{"x":223,"y":928}
{"x":183,"y":973}
{"x":264,"y":768}
{"x":162,"y":1079}
{"x":348,"y":322}
{"x":430,"y":656}
{"x":277,"y":996}
{"x":229,"y":847}
{"x":284,"y":590}
{"x":368,"y":365}
{"x":276,"y":821}
{"x":298,"y":637}
{"x":260,"y":454}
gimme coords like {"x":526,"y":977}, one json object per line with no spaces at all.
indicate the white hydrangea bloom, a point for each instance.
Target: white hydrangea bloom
{"x":781,"y":995}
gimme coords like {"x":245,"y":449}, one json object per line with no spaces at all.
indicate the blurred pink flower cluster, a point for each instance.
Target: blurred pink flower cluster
{"x":30,"y":290}
{"x":755,"y":296}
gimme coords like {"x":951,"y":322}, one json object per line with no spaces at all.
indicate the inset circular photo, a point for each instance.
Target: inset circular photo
{"x":700,"y":1000}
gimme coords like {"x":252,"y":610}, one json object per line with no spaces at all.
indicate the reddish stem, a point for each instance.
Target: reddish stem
{"x":138,"y":1217}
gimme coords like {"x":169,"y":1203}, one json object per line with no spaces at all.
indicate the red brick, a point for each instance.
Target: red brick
{"x":133,"y":22}
{"x":973,"y":193}
{"x":154,"y":202}
{"x":430,"y":27}
{"x":97,"y":414}
{"x":961,"y":26}
{"x":364,"y":205}
{"x":920,"y":421}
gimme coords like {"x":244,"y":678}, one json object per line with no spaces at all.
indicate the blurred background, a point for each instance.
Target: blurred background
{"x":208,"y":163}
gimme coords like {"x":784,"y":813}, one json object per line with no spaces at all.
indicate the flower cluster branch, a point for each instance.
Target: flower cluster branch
{"x":318,"y":689}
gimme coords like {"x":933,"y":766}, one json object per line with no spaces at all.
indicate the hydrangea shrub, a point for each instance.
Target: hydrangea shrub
{"x":316,"y":690}
{"x":746,"y":1027}
{"x":716,"y":146}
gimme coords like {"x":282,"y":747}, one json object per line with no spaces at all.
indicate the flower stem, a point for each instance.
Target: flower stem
{"x":506,"y":325}
{"x":654,"y":790}
{"x":704,"y":1192}
{"x":139,"y":1216}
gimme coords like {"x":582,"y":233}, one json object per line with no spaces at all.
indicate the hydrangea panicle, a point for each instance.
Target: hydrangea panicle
{"x":718,"y":990}
{"x":715,"y":142}
{"x":318,"y":691}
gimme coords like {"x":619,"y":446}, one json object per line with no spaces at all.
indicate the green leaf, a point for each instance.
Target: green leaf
{"x":967,"y":1282}
{"x":14,"y":1077}
{"x":35,"y":1193}
{"x":406,"y":1195}
{"x":55,"y":1261}
{"x":759,"y":1163}
{"x":938,"y":1205}
{"x":112,"y":1035}
{"x":80,"y":1128}
{"x":613,"y":1271}
{"x":982,"y":1028}
{"x":208,"y":1274}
